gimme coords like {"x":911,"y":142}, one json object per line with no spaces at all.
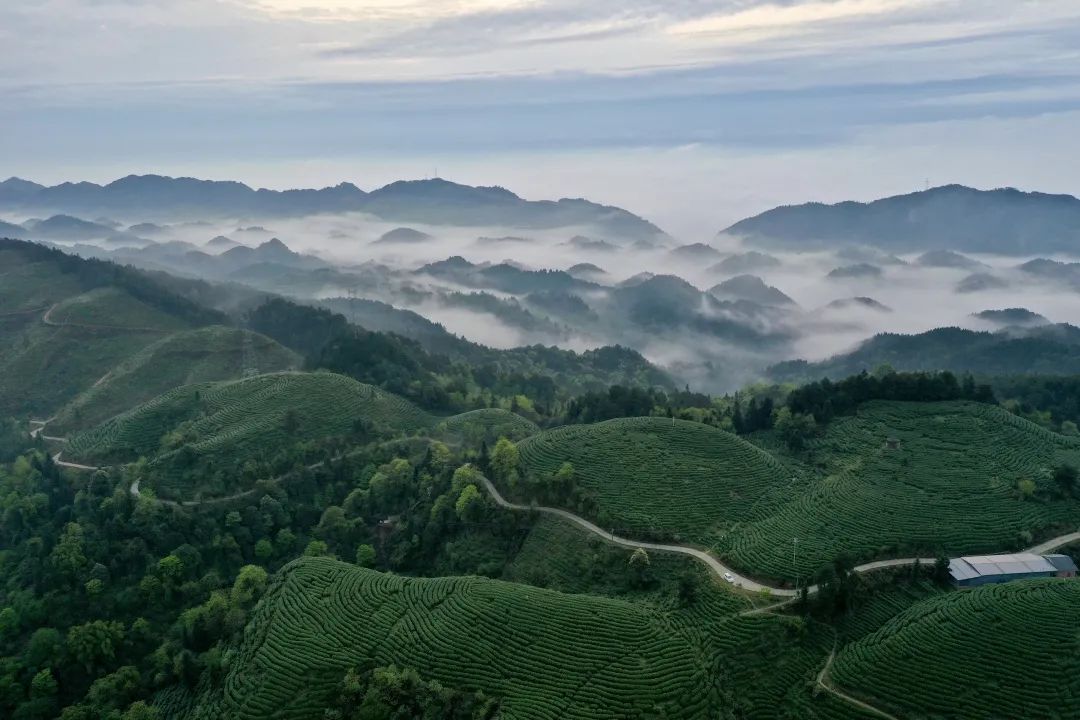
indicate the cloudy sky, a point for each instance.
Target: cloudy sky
{"x":691,"y":112}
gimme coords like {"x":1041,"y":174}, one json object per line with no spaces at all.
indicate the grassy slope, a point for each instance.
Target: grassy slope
{"x":951,"y":486}
{"x":652,"y":475}
{"x":999,"y":651}
{"x":27,"y":285}
{"x":94,"y":327}
{"x":203,"y":355}
{"x":546,"y":654}
{"x":113,"y":308}
{"x":44,"y":366}
{"x":235,"y":420}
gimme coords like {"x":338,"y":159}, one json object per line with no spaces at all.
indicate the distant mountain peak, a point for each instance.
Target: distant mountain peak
{"x":274,"y":244}
{"x":1012,"y":317}
{"x":1003,"y":221}
{"x":439,"y":186}
{"x":752,"y":288}
{"x":403,"y":236}
{"x":18,"y":184}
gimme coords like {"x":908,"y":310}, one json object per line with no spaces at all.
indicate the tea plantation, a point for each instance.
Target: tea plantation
{"x":652,"y":476}
{"x":204,"y":355}
{"x":951,"y":485}
{"x":544,"y":653}
{"x":232,"y":421}
{"x":487,"y":425}
{"x":1004,"y":651}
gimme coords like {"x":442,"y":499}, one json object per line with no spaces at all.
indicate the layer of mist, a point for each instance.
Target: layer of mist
{"x":715,"y":315}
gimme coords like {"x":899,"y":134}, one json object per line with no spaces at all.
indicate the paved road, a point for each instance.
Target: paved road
{"x":717,"y":567}
{"x":73,"y":466}
{"x":1051,"y":545}
{"x":720,"y":569}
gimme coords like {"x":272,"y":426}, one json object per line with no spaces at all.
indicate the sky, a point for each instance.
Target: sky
{"x":693,"y":113}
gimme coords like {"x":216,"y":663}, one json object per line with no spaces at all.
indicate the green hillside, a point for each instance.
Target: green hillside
{"x":487,"y":425}
{"x":657,"y":477}
{"x":953,"y":485}
{"x":204,"y":355}
{"x":65,"y":322}
{"x":230,"y":422}
{"x":30,"y":283}
{"x":1005,"y":651}
{"x":111,"y":308}
{"x":43,"y":366}
{"x":544,"y":654}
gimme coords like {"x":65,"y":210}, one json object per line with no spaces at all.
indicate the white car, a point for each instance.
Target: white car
{"x":729,"y":577}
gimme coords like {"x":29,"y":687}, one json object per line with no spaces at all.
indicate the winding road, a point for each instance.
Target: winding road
{"x":720,"y":569}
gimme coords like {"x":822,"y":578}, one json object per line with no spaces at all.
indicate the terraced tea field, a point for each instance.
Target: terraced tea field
{"x":487,"y":425}
{"x":207,"y":354}
{"x":229,"y":422}
{"x":951,"y":485}
{"x":547,"y":655}
{"x":652,"y":476}
{"x":1004,"y":651}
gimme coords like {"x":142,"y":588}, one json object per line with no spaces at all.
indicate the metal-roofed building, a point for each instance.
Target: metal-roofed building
{"x":986,"y":569}
{"x":1064,"y":565}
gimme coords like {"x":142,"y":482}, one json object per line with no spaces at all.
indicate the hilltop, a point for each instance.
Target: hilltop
{"x":194,"y":426}
{"x":652,"y":475}
{"x":1004,"y":221}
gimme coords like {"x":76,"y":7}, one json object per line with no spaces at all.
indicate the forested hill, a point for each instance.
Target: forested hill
{"x":460,"y":373}
{"x":1004,"y":221}
{"x":1048,"y":350}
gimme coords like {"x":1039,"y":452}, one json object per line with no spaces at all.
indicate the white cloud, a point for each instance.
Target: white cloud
{"x":382,"y":10}
{"x":771,"y":18}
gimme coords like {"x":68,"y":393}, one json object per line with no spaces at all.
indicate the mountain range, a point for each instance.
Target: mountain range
{"x":436,"y":202}
{"x":1004,"y":221}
